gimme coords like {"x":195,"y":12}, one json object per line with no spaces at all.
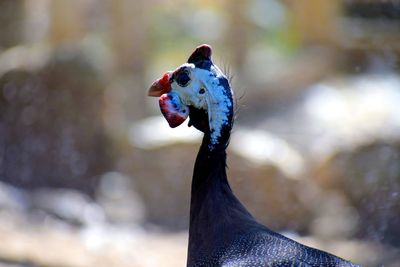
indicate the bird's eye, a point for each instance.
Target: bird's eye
{"x":202,"y":91}
{"x":182,"y":78}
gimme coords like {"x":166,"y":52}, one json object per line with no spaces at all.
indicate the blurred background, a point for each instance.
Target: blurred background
{"x":91,"y":174}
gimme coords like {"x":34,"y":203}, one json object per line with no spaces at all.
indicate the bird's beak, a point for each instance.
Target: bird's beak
{"x":160,"y":86}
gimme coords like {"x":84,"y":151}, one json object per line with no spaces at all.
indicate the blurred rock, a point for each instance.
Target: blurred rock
{"x":272,"y":197}
{"x":263,"y":148}
{"x":333,"y":115}
{"x":154,"y":133}
{"x":161,"y":164}
{"x":369,"y":176}
{"x":334,"y":216}
{"x":348,"y":112}
{"x":24,"y":57}
{"x":162,"y":177}
{"x":70,"y":206}
{"x":14,"y":205}
{"x":267,"y":174}
{"x":11,"y":21}
{"x":118,"y":197}
{"x":12,"y":198}
{"x":51,"y":128}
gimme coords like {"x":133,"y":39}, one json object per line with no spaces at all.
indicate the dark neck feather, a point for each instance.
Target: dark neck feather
{"x":209,"y":169}
{"x":216,"y":215}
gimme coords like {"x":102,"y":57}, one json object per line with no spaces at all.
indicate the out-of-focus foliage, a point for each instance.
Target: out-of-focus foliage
{"x":90,"y":171}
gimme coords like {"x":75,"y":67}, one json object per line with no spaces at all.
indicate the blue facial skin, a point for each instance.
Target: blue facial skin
{"x":176,"y":103}
{"x":172,"y":109}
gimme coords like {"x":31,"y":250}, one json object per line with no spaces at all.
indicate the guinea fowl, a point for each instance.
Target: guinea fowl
{"x":221,"y":231}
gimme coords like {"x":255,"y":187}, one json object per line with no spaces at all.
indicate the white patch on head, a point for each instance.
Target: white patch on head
{"x":215,"y":100}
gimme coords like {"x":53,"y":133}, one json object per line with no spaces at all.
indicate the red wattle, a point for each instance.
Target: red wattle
{"x":173,"y":110}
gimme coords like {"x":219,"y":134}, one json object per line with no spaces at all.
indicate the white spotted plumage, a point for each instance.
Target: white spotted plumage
{"x":215,"y":99}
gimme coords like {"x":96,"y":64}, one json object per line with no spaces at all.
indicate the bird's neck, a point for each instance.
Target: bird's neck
{"x":215,"y":212}
{"x":209,"y":170}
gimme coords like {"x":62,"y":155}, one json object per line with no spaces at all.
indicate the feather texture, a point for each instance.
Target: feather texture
{"x":223,"y":233}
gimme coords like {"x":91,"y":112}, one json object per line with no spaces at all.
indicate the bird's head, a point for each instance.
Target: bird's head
{"x":197,"y":89}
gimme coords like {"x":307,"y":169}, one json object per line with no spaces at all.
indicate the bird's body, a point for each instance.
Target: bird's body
{"x":221,"y":231}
